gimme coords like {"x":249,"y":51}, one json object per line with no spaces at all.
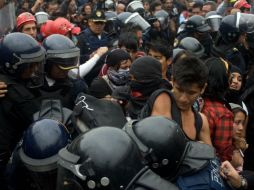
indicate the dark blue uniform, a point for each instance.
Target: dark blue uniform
{"x":88,"y":42}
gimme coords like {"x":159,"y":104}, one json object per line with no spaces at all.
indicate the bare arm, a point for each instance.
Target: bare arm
{"x":205,"y":131}
{"x":162,"y":106}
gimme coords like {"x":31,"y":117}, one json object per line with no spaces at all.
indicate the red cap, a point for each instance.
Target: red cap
{"x":46,"y":28}
{"x":23,"y":18}
{"x":242,"y":3}
{"x":61,"y":26}
{"x":75,"y":30}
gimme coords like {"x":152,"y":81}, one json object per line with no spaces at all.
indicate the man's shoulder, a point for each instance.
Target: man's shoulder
{"x":85,"y":32}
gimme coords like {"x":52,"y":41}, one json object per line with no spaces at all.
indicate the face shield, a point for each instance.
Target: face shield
{"x":214,"y":22}
{"x":67,"y":61}
{"x":245,"y":22}
{"x":162,"y":16}
{"x":30,"y":68}
{"x":138,"y":20}
{"x":70,"y":174}
{"x":42,"y":172}
{"x":135,"y":6}
{"x":41,"y":17}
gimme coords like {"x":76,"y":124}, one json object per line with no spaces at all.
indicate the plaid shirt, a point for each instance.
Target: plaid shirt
{"x":220,"y":120}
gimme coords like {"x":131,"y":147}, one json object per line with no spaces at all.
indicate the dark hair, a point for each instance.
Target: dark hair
{"x":188,"y":70}
{"x":197,"y":5}
{"x":212,"y":4}
{"x":218,"y":78}
{"x":130,"y":27}
{"x":161,"y":48}
{"x":153,"y":5}
{"x":128,"y":40}
{"x":236,"y":110}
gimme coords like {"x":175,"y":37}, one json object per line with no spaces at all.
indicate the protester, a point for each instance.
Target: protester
{"x":189,"y":77}
{"x":26,"y":23}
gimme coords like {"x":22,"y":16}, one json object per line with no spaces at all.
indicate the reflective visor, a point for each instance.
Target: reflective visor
{"x":66,"y":63}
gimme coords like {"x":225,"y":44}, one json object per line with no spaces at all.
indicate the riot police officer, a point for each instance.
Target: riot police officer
{"x":170,"y":154}
{"x":36,"y":158}
{"x":198,"y":28}
{"x":21,"y":68}
{"x":105,"y":158}
{"x":232,"y":32}
{"x":61,"y":68}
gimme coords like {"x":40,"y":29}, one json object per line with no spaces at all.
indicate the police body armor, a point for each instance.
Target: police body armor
{"x":19,"y":98}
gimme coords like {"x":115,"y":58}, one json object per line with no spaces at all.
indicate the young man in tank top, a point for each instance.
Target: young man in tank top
{"x":189,"y":77}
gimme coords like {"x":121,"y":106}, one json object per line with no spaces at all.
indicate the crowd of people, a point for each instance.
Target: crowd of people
{"x":127,"y":94}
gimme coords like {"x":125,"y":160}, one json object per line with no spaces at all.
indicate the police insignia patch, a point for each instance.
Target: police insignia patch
{"x":98,"y":14}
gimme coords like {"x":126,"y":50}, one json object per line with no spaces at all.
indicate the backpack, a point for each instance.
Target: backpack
{"x":176,"y":113}
{"x":53,"y":109}
{"x":90,"y":112}
{"x":206,"y":179}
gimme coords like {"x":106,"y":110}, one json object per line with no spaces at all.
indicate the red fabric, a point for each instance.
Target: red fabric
{"x":136,"y":94}
{"x":242,"y":3}
{"x":220,"y":120}
{"x":103,"y":70}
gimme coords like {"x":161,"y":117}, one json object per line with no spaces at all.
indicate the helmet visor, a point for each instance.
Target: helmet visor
{"x":245,"y":22}
{"x":66,"y":180}
{"x":30,"y":68}
{"x":214,"y":23}
{"x":70,"y":65}
{"x":68,"y":171}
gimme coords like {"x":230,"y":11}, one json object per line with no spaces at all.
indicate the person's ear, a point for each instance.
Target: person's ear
{"x":169,"y":61}
{"x":89,"y":23}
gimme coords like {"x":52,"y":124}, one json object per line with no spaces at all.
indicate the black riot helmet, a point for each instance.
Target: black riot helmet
{"x":23,"y":58}
{"x":39,"y":151}
{"x":162,"y":17}
{"x":133,"y":19}
{"x":213,"y":19}
{"x":232,"y":26}
{"x":193,"y":46}
{"x":229,"y":32}
{"x":162,"y":143}
{"x":102,"y":158}
{"x":197,"y":23}
{"x":166,"y":149}
{"x":62,"y":52}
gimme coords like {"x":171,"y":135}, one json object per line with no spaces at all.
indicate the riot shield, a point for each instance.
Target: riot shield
{"x":7,"y":19}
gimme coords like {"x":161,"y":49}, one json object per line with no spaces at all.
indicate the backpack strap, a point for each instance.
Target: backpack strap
{"x":198,"y":123}
{"x":147,"y":109}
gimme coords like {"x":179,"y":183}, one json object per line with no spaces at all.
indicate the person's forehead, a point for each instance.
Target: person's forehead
{"x":169,"y":1}
{"x":236,"y":74}
{"x":29,"y":25}
{"x":193,"y":87}
{"x":196,"y":8}
{"x":154,"y":52}
{"x":206,"y":7}
{"x":53,"y":6}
